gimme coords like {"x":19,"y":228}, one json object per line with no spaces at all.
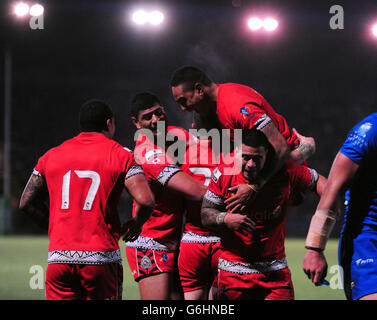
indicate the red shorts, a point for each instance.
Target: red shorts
{"x":145,"y":262}
{"x":84,"y":281}
{"x":274,"y":285}
{"x":197,"y":264}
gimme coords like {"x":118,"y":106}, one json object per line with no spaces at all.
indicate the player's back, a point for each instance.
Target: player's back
{"x":240,"y":107}
{"x":85,"y":178}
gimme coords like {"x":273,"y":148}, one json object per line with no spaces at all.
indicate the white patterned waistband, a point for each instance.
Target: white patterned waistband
{"x":254,"y":267}
{"x":193,"y":237}
{"x":143,"y":242}
{"x":84,"y":257}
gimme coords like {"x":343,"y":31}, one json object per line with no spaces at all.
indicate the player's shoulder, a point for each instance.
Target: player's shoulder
{"x":366,"y":126}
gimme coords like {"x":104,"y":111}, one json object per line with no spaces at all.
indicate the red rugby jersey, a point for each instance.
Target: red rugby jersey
{"x":165,"y":224}
{"x":241,"y":107}
{"x":85,"y":178}
{"x":268,"y":212}
{"x":200,"y":163}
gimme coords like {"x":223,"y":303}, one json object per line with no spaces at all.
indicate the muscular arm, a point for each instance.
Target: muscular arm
{"x":139,"y":189}
{"x":281,"y":149}
{"x":186,"y":186}
{"x":216,"y":220}
{"x":341,"y":175}
{"x":33,"y":200}
{"x":328,"y":211}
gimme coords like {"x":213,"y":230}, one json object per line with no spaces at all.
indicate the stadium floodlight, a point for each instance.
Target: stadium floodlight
{"x":270,"y":24}
{"x":36,"y":10}
{"x":140,"y":17}
{"x":374,"y":30}
{"x":21,"y":9}
{"x":155,"y":17}
{"x":255,"y":23}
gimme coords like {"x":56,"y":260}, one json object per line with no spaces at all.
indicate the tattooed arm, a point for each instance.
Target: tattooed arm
{"x":214,"y":219}
{"x":33,"y":200}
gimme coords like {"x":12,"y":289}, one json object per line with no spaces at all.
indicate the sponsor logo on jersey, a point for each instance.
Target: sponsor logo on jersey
{"x":364,"y":128}
{"x":245,"y":112}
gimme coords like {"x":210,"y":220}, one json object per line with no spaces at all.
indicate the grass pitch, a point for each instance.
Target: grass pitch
{"x":23,"y":262}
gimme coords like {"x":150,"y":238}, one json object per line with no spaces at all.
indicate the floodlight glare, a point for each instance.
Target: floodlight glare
{"x":36,"y":10}
{"x":374,"y":30}
{"x":140,"y":17}
{"x":255,"y":23}
{"x":270,"y":24}
{"x":21,"y":9}
{"x":156,"y":17}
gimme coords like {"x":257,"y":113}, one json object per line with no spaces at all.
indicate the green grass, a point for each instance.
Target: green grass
{"x":19,"y":254}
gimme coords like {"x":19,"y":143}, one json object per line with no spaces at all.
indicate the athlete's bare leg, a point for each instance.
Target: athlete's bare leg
{"x":372,"y":296}
{"x":213,"y":293}
{"x":156,"y":287}
{"x":200,"y":294}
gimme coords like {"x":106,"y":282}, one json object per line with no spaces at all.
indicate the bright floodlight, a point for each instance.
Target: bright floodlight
{"x":270,"y":24}
{"x":255,"y":23}
{"x":156,"y":17}
{"x":36,"y":10}
{"x":21,"y":9}
{"x":374,"y":30}
{"x":140,"y":17}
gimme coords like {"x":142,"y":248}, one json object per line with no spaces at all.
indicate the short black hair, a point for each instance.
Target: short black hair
{"x":142,"y":101}
{"x":255,"y":138}
{"x":189,"y":75}
{"x":94,"y":115}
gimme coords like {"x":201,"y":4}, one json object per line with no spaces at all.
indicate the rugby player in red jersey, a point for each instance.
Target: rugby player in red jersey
{"x":200,"y":247}
{"x":240,"y":107}
{"x":152,"y":257}
{"x":252,"y":262}
{"x":84,"y":178}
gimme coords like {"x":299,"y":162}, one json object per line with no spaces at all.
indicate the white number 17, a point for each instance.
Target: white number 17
{"x":96,"y":180}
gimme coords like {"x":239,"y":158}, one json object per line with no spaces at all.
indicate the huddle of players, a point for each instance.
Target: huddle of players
{"x":232,"y":245}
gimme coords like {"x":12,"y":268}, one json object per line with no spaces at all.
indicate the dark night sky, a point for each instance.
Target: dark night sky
{"x":323,"y":81}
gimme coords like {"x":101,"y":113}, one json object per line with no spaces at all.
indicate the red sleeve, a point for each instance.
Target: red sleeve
{"x":215,"y":192}
{"x":250,"y":116}
{"x":301,"y":177}
{"x":40,"y":168}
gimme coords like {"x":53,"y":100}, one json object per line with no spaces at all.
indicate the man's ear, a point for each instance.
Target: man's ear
{"x":135,"y":122}
{"x":198,"y":86}
{"x":108,"y":124}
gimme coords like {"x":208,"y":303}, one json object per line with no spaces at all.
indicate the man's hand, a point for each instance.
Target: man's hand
{"x":130,"y":230}
{"x":305,"y":150}
{"x":239,"y":222}
{"x":244,"y":195}
{"x":315,"y":266}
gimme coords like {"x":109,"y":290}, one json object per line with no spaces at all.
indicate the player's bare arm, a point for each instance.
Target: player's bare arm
{"x":186,"y":186}
{"x":215,"y":219}
{"x":326,"y":215}
{"x":139,"y":189}
{"x":33,"y":200}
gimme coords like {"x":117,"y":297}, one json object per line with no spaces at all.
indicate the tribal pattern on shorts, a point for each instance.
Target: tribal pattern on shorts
{"x":191,"y":237}
{"x":255,"y":267}
{"x":150,"y":244}
{"x":84,"y":257}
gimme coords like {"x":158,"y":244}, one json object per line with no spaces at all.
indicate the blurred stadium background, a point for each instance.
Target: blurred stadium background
{"x":322,"y":80}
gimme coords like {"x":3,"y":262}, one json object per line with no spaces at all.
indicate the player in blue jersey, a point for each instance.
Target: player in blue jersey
{"x":354,"y":172}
